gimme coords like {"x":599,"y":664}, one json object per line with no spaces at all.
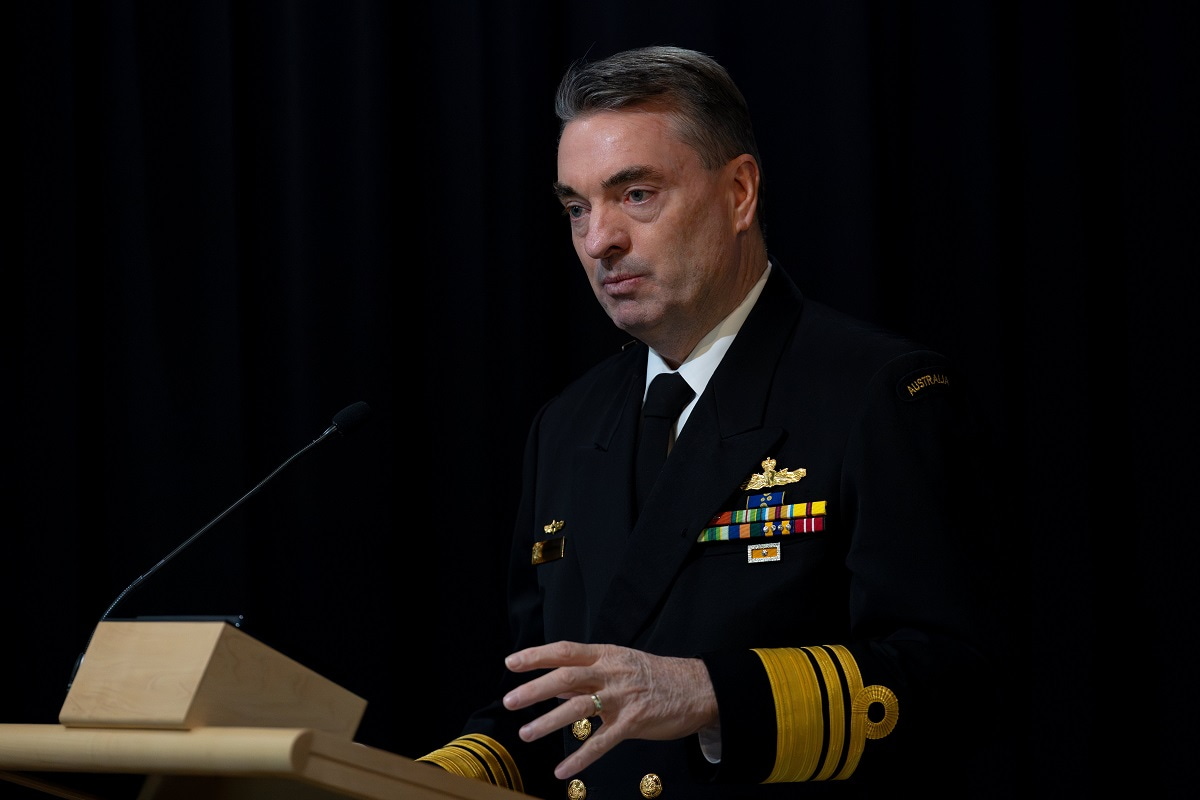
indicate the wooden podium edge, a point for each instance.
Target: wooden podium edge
{"x":387,"y":776}
{"x":315,"y":757}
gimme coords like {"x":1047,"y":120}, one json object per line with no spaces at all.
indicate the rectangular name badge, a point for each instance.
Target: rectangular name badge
{"x":756,"y":553}
{"x":548,"y":550}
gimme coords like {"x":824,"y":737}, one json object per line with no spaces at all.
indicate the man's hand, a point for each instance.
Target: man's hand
{"x":642,"y":696}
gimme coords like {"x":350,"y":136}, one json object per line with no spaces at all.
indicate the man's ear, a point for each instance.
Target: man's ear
{"x":744,"y":180}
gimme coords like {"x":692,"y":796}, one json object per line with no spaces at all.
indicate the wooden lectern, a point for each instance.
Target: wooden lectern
{"x":206,"y":712}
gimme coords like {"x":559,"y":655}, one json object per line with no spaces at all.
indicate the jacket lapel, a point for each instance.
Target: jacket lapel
{"x":608,"y":462}
{"x":719,"y":448}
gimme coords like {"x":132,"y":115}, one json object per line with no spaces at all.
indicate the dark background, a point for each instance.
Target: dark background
{"x":228,"y":220}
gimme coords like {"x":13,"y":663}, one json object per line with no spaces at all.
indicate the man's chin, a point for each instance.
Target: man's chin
{"x":630,"y":320}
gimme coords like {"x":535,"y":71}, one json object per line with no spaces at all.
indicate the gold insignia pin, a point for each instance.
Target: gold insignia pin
{"x":550,"y":549}
{"x":773,"y":477}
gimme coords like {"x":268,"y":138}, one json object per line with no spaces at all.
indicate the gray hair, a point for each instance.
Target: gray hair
{"x":710,"y":113}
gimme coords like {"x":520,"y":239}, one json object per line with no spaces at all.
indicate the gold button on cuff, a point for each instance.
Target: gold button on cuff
{"x":651,"y":785}
{"x":576,"y":790}
{"x":581,"y":729}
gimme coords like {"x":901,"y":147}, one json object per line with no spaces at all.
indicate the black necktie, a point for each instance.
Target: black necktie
{"x":668,"y":394}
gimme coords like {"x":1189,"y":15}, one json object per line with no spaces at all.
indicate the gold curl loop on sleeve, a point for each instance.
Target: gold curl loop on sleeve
{"x":891,"y":710}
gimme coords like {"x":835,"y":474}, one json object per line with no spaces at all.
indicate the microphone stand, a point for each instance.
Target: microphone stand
{"x":345,"y":420}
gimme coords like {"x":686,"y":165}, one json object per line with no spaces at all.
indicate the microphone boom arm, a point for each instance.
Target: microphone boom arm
{"x":214,"y":521}
{"x":344,"y":421}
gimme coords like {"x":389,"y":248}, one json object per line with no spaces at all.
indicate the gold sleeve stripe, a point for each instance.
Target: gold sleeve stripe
{"x":497,"y":758}
{"x":821,"y":712}
{"x":857,"y":739}
{"x":798,"y":712}
{"x":457,"y":762}
{"x":836,"y":706}
{"x":479,"y":757}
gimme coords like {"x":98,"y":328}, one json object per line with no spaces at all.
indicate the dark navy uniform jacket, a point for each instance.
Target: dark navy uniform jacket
{"x":846,"y":646}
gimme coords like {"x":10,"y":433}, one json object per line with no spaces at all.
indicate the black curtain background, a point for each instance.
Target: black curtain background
{"x":228,"y":220}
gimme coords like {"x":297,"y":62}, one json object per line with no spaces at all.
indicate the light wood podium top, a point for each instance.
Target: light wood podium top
{"x":206,"y":712}
{"x":327,"y":764}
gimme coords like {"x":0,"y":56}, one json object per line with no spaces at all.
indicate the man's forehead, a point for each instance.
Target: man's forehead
{"x":607,"y":148}
{"x":623,"y":128}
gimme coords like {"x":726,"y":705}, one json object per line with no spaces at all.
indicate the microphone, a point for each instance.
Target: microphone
{"x":345,"y":421}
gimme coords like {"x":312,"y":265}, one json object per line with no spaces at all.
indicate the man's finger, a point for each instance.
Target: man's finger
{"x":564,"y":683}
{"x":555,"y":654}
{"x":564,"y":714}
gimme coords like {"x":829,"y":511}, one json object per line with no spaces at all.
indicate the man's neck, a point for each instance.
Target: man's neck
{"x":726,"y":326}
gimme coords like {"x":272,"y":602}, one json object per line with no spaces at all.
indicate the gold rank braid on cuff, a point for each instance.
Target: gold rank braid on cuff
{"x":479,"y":757}
{"x":837,"y":711}
{"x":821,"y":712}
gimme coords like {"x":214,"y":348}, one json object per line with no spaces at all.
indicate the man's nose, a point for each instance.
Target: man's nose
{"x":607,"y":234}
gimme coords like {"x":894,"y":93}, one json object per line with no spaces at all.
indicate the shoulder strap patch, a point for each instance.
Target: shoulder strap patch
{"x":922,"y":383}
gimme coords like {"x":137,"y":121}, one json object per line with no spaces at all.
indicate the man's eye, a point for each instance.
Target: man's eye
{"x":639,"y":195}
{"x":573,"y":212}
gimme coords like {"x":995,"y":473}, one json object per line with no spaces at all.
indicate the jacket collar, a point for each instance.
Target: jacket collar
{"x":724,"y":437}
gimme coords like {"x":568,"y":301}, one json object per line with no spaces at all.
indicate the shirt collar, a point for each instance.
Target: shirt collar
{"x":704,"y":359}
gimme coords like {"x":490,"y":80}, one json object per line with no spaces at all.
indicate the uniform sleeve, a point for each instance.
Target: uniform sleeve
{"x":907,"y":688}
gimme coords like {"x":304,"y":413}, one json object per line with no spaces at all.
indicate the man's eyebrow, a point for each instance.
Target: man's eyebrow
{"x":639,"y":172}
{"x":632,"y":174}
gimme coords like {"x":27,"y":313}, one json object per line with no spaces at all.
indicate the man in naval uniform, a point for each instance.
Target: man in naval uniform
{"x":791,"y":607}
